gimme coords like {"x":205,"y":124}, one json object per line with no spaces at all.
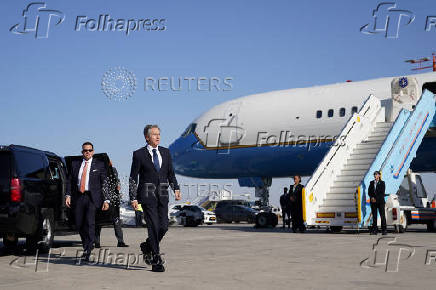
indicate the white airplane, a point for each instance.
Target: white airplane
{"x":283,"y":133}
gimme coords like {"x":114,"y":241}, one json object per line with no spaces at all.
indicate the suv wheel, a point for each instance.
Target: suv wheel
{"x":262,"y":220}
{"x":42,"y":239}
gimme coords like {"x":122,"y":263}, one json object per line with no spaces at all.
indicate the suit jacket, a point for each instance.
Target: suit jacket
{"x":97,"y":183}
{"x":379,"y":192}
{"x":145,"y":181}
{"x":297,"y":194}
{"x":285,"y":201}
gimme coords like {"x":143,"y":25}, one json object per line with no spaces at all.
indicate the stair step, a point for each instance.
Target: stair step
{"x":341,"y":209}
{"x":347,"y":183}
{"x":342,"y":190}
{"x":339,"y":203}
{"x":353,"y":172}
{"x":355,"y":156}
{"x":365,"y":150}
{"x":350,"y":167}
{"x":347,"y":196}
{"x":369,"y":145}
{"x":343,"y":178}
{"x":365,"y":162}
{"x":381,"y":129}
{"x":384,"y":124}
{"x":376,"y":138}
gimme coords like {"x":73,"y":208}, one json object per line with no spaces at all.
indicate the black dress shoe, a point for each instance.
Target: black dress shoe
{"x":157,"y":264}
{"x":97,"y":245}
{"x":373,"y":233}
{"x":384,"y":233}
{"x":147,"y":253}
{"x":122,"y":245}
{"x":158,"y":268}
{"x":85,"y":256}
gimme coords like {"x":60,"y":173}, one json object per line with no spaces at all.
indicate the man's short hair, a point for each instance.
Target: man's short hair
{"x":88,"y":143}
{"x":377,"y":172}
{"x":147,"y":129}
{"x":299,"y":177}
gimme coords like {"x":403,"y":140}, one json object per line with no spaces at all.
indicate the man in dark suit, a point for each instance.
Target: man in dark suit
{"x":114,"y":187}
{"x":285,"y":204}
{"x":376,"y":192}
{"x":153,"y":165}
{"x":296,"y":197}
{"x":86,"y":190}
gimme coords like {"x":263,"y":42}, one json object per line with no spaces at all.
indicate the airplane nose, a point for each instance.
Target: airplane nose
{"x":185,"y":153}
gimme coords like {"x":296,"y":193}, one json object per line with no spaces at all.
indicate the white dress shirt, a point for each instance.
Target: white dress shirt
{"x":79,"y":179}
{"x":150,"y":150}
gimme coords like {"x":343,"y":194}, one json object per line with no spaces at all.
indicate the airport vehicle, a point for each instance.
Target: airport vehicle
{"x":191,"y":216}
{"x":235,"y":213}
{"x":209,"y":216}
{"x":284,"y":133}
{"x":32,"y":195}
{"x":413,"y":204}
{"x":173,"y":212}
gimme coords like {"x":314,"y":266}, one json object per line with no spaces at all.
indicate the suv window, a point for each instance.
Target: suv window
{"x":5,"y":170}
{"x":55,"y":173}
{"x":30,"y":165}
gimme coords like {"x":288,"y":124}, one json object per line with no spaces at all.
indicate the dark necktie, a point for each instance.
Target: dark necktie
{"x":156,"y":160}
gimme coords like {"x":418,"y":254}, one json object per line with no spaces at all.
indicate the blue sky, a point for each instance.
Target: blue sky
{"x":51,"y":88}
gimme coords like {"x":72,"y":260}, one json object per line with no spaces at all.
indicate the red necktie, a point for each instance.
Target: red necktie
{"x":83,"y":179}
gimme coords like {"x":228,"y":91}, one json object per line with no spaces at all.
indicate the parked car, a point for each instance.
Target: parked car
{"x":235,"y":213}
{"x":224,"y":203}
{"x":209,"y":216}
{"x":173,"y":213}
{"x":191,"y":215}
{"x":32,"y":197}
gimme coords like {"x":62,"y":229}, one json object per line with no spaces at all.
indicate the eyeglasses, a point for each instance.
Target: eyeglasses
{"x":87,"y":150}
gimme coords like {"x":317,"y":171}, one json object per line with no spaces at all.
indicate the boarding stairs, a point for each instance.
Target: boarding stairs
{"x":378,"y":137}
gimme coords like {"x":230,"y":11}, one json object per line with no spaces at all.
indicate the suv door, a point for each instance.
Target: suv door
{"x":5,"y":179}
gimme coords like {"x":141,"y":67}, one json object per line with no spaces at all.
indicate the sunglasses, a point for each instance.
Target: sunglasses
{"x":87,"y":150}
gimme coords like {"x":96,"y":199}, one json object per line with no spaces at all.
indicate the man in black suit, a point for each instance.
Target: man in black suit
{"x":153,"y":165}
{"x":376,"y":192}
{"x":285,"y":204}
{"x":86,"y":190}
{"x":296,"y":197}
{"x":114,"y":187}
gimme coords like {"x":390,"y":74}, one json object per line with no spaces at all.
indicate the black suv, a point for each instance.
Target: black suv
{"x":32,"y":197}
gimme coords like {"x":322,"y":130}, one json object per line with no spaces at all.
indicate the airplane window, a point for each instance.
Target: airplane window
{"x":342,"y":112}
{"x":318,"y":114}
{"x":330,"y":113}
{"x":353,"y":110}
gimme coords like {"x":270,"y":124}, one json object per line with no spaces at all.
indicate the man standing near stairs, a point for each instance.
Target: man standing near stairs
{"x":376,"y":192}
{"x":296,"y":197}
